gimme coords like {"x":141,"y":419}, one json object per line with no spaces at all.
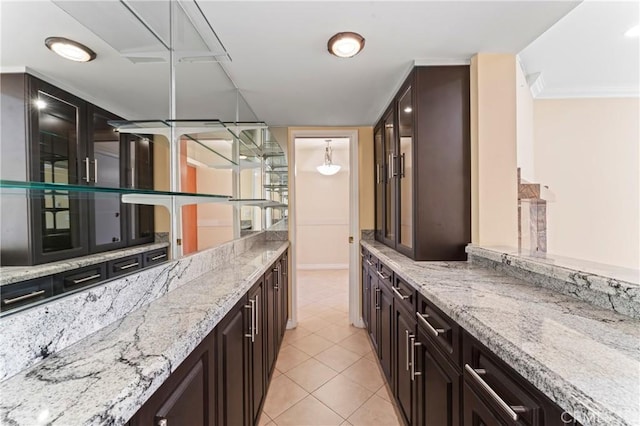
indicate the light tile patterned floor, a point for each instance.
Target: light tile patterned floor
{"x":327,"y":373}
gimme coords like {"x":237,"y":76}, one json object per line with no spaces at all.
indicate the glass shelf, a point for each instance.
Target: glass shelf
{"x":258,"y":202}
{"x":128,"y":195}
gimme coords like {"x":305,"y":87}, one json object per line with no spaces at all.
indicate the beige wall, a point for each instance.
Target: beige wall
{"x":215,"y":221}
{"x":493,"y":150}
{"x":587,"y":152}
{"x":524,"y":126}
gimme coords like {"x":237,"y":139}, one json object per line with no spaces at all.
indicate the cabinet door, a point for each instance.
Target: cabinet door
{"x":391,"y":181}
{"x":233,"y":385}
{"x":374,"y":309}
{"x":385,"y":330}
{"x":270,"y":319}
{"x":186,"y":404}
{"x":104,"y":166}
{"x":404,"y":333}
{"x":139,"y":175}
{"x":380,"y":179}
{"x":59,"y":223}
{"x":405,"y":169}
{"x":366,"y":293}
{"x":283,"y":287}
{"x":257,"y":369}
{"x":476,"y":412}
{"x":437,"y":387}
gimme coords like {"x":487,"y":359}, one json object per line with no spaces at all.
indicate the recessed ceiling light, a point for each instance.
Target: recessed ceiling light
{"x":408,"y":109}
{"x":40,"y":104}
{"x":633,"y":31}
{"x":243,"y":157}
{"x":346,"y":44}
{"x":70,"y":49}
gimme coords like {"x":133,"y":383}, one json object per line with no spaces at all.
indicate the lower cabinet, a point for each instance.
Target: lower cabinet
{"x":439,"y":374}
{"x":184,"y":398}
{"x":225,"y":379}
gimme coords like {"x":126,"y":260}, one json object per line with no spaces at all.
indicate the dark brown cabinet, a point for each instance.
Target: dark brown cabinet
{"x":404,"y":355}
{"x":257,"y":351}
{"x":385,"y":329}
{"x":422,"y":169}
{"x":185,"y":396}
{"x":51,"y":136}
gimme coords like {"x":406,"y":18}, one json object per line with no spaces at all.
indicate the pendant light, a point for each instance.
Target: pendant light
{"x":328,"y":168}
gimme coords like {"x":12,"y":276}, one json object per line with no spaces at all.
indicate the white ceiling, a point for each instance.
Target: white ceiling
{"x":280,"y":61}
{"x":587,"y":54}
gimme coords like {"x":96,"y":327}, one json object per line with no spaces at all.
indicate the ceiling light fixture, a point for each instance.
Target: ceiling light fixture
{"x":633,"y":31}
{"x":70,"y":49}
{"x":346,"y":44}
{"x":328,"y":168}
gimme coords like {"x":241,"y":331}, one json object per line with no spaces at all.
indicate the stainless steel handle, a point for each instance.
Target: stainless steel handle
{"x":162,"y":422}
{"x":370,"y":263}
{"x":400,"y":295}
{"x":377,"y":173}
{"x":257,"y":315}
{"x":95,"y":170}
{"x":378,"y":298}
{"x":82,"y":280}
{"x":402,"y":160}
{"x":160,"y":256}
{"x":389,"y":167}
{"x":423,"y":318}
{"x":131,"y":265}
{"x":133,"y":177}
{"x":87,"y":177}
{"x":414,"y":345}
{"x":511,"y":411}
{"x":394,"y":172}
{"x":381,"y":275}
{"x":251,"y":306}
{"x":23,"y":297}
{"x":408,"y":348}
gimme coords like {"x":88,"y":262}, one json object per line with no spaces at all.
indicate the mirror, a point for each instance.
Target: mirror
{"x":131,"y":80}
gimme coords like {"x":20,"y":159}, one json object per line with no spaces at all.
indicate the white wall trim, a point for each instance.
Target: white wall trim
{"x":589,"y":92}
{"x":441,"y":61}
{"x":355,"y":316}
{"x":322,"y":266}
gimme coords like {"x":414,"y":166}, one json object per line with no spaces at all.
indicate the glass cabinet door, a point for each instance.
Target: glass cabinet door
{"x":103,"y":168}
{"x":405,"y":169}
{"x":380,"y":178}
{"x":60,"y":220}
{"x":390,"y":181}
{"x":140,"y":176}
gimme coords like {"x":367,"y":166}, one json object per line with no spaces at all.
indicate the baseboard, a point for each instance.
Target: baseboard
{"x":322,"y":266}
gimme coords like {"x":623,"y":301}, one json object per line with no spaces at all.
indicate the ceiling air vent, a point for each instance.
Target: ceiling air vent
{"x":139,"y":30}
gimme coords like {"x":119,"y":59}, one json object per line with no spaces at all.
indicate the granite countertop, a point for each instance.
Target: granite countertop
{"x":584,"y":358}
{"x":12,"y":274}
{"x":106,"y":377}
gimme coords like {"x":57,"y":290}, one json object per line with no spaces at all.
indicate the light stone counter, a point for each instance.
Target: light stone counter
{"x":584,"y":358}
{"x":105,"y":378}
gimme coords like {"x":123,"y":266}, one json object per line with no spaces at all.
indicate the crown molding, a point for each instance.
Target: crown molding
{"x":590,"y":92}
{"x":441,"y":61}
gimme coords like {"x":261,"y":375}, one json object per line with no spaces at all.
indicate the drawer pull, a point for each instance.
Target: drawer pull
{"x":400,"y":295}
{"x":131,"y":265}
{"x":377,"y":298}
{"x":381,"y":275}
{"x":423,"y":319}
{"x":23,"y":297}
{"x":511,"y":411}
{"x":85,"y":279}
{"x":160,"y":256}
{"x":370,"y":263}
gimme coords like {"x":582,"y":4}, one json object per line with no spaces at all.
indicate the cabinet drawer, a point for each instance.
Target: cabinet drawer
{"x":25,"y":293}
{"x":124,"y":266}
{"x":154,"y":257}
{"x":78,"y":278}
{"x":385,"y":274}
{"x":368,"y":259}
{"x":404,"y":294}
{"x":444,"y":332}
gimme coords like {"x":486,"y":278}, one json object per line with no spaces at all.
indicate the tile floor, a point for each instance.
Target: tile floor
{"x":327,"y":373}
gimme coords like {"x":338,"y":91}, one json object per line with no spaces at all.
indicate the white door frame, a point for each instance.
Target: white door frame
{"x":355,"y":316}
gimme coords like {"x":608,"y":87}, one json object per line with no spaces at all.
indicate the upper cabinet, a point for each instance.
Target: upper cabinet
{"x":54,"y":137}
{"x":422,"y":166}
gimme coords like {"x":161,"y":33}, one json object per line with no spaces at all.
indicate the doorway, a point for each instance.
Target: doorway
{"x":324,"y":227}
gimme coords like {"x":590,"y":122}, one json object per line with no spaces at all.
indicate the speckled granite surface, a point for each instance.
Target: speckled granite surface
{"x":32,"y":335}
{"x":12,"y":274}
{"x":584,"y":358}
{"x":605,"y":286}
{"x":105,"y":378}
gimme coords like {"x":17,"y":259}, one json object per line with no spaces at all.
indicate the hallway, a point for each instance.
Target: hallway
{"x":327,"y":373}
